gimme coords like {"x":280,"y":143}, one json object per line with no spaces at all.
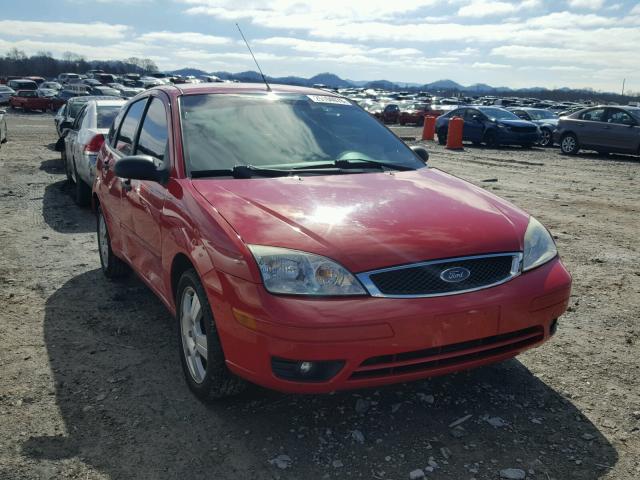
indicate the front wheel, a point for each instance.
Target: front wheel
{"x":490,"y":139}
{"x":67,"y":167}
{"x":569,"y":144}
{"x":112,"y":266}
{"x":201,"y":354}
{"x":81,"y":191}
{"x":545,"y":138}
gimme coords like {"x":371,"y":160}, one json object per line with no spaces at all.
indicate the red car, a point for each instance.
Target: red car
{"x":29,"y":100}
{"x":415,"y":113}
{"x":303,"y":247}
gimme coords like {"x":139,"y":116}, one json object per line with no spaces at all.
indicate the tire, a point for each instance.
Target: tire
{"x":490,"y":139}
{"x":442,"y":136}
{"x":546,"y":138}
{"x":112,"y":266}
{"x":67,"y":167}
{"x":201,"y":355}
{"x":81,"y":191}
{"x":569,"y":144}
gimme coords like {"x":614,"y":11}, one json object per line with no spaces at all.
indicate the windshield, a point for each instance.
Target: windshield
{"x":106,"y":114}
{"x":541,"y":114}
{"x":499,"y":114}
{"x":221,"y":131}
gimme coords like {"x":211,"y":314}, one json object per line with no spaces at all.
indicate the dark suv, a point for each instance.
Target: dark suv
{"x":604,"y":129}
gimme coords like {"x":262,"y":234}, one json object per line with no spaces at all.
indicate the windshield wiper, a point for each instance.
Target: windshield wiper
{"x":248,"y":171}
{"x":352,"y":163}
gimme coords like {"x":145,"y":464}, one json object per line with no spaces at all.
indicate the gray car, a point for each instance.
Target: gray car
{"x":5,"y":94}
{"x":82,"y":141}
{"x":3,"y":128}
{"x":545,"y":119}
{"x":605,"y":129}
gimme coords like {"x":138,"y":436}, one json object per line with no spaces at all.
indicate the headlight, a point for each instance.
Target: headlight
{"x":300,"y":273}
{"x":539,"y":247}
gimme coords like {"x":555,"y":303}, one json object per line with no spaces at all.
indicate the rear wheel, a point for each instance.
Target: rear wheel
{"x":545,"y":138}
{"x":112,"y":266}
{"x":81,"y":191}
{"x":67,"y":167}
{"x":569,"y":144}
{"x":201,"y":353}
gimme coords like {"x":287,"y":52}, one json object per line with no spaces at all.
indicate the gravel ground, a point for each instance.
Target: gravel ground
{"x":91,"y":386}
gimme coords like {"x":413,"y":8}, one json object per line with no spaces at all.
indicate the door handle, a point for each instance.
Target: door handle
{"x":581,"y":124}
{"x":126,"y":185}
{"x":106,"y":164}
{"x":607,"y":127}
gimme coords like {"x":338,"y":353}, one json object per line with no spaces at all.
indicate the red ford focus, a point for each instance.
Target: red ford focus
{"x":303,"y":247}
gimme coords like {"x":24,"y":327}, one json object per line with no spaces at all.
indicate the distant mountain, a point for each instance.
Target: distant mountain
{"x":442,"y":87}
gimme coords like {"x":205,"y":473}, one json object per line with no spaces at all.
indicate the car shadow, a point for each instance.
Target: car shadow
{"x":617,"y":157}
{"x":59,"y":211}
{"x":128,"y":413}
{"x":53,"y":166}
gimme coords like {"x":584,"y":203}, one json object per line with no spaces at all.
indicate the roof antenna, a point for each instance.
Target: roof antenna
{"x":264,"y":79}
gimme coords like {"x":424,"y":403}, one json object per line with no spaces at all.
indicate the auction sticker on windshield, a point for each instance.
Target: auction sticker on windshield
{"x":329,"y":99}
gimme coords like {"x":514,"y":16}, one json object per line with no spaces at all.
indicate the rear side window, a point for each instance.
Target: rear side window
{"x":620,"y":117}
{"x":127,"y":133}
{"x":596,"y":115}
{"x":154,"y":134}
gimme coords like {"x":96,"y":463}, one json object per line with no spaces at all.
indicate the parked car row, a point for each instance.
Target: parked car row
{"x":251,"y":235}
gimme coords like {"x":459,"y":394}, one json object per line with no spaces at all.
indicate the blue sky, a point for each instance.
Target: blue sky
{"x":550,"y":43}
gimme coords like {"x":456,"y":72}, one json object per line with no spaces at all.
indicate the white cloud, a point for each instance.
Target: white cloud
{"x":586,"y":4}
{"x":489,"y":65}
{"x":487,"y":8}
{"x":183,"y":37}
{"x":20,"y":28}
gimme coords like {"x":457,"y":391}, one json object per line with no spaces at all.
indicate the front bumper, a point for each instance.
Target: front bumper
{"x":383,"y":340}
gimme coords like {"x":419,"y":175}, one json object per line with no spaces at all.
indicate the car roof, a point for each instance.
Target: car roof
{"x":111,"y":102}
{"x":200,"y":88}
{"x":86,"y":98}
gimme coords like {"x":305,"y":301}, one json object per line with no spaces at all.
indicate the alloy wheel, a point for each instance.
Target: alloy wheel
{"x":194,"y":335}
{"x":103,"y":241}
{"x":545,"y":138}
{"x":568,"y":144}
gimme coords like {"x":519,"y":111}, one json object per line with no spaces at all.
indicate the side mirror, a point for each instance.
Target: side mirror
{"x":140,"y":167}
{"x":66,"y":125}
{"x":421,"y":152}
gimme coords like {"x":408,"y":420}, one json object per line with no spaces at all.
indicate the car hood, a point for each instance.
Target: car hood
{"x":547,"y":121}
{"x":516,"y":123}
{"x":368,"y":221}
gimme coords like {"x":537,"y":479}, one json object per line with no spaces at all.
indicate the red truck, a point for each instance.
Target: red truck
{"x":29,"y":100}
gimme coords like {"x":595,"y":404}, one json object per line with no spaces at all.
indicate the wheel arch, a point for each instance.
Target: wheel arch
{"x":180,"y":264}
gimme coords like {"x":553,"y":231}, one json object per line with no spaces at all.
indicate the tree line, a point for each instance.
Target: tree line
{"x":43,"y":64}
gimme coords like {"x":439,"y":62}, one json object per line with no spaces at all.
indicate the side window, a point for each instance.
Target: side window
{"x":129,"y":127}
{"x":111,"y":136}
{"x":595,"y":115}
{"x":78,"y":121}
{"x":154,"y":134}
{"x":620,"y":117}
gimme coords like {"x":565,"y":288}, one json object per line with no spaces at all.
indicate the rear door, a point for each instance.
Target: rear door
{"x":622,"y":131}
{"x":144,"y":200}
{"x":71,"y":140}
{"x":590,"y":128}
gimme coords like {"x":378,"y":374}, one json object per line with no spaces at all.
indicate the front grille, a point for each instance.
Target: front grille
{"x":448,"y":355}
{"x":523,"y":129}
{"x":426,"y":279}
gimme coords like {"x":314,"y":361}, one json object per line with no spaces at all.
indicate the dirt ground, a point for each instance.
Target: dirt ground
{"x":91,"y":387}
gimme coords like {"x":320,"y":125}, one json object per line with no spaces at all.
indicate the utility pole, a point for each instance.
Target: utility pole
{"x":623,"y":82}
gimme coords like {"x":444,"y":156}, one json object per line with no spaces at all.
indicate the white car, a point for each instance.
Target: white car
{"x":51,"y":85}
{"x":82,"y":141}
{"x":3,"y":128}
{"x":5,"y":94}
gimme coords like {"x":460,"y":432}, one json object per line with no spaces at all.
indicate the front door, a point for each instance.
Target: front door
{"x":622,"y":132}
{"x":144,"y":200}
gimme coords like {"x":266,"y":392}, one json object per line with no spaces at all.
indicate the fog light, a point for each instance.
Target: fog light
{"x":305,"y":370}
{"x":305,"y":367}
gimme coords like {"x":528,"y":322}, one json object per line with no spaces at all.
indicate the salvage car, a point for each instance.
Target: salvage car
{"x":22,"y":84}
{"x":73,"y":107}
{"x":29,"y":100}
{"x":5,"y":94}
{"x":304,"y":247}
{"x":414,"y":113}
{"x":545,"y":119}
{"x":605,"y":129}
{"x":81,"y":142}
{"x":492,"y":126}
{"x":3,"y":127}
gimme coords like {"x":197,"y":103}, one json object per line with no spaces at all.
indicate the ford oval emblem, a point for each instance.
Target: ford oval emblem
{"x":455,"y":274}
